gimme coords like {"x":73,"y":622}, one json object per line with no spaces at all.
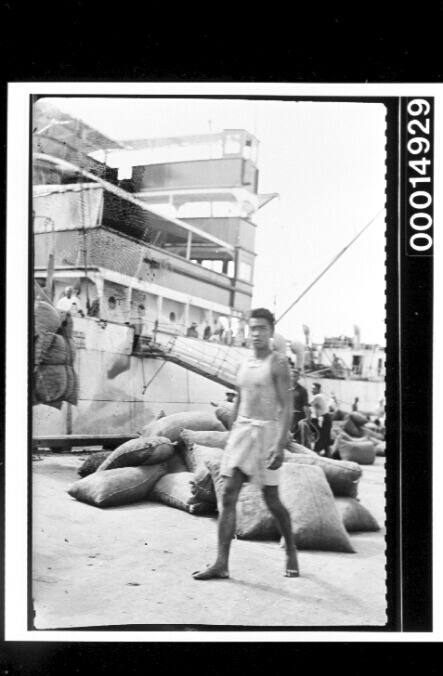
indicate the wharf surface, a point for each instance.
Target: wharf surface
{"x":132,"y":565}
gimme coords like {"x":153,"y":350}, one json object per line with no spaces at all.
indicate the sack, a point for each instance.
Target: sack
{"x":380,"y":448}
{"x":140,"y":451}
{"x":210,"y":439}
{"x":358,"y":419}
{"x":224,"y":414}
{"x":175,"y":490}
{"x":92,"y":463}
{"x":355,"y":517}
{"x":362,"y":452}
{"x":351,"y":428}
{"x":169,"y":426}
{"x":197,"y":454}
{"x":294,"y":447}
{"x":254,"y":521}
{"x":341,"y":475}
{"x":46,"y":318}
{"x":117,"y":486}
{"x":55,"y":349}
{"x":316,"y":523}
{"x":202,"y":485}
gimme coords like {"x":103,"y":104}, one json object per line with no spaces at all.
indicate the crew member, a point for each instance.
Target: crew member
{"x":255,"y":448}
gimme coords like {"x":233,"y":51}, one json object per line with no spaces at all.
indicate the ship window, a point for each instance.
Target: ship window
{"x":172,"y":316}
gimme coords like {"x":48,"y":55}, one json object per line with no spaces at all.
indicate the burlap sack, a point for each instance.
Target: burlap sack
{"x":117,"y":486}
{"x":174,"y":490}
{"x":224,"y":414}
{"x":342,"y":476}
{"x":92,"y":463}
{"x":209,"y":438}
{"x":361,"y":452}
{"x":316,"y":523}
{"x":170,"y":425}
{"x":254,"y":521}
{"x":140,"y":451}
{"x":355,"y":517}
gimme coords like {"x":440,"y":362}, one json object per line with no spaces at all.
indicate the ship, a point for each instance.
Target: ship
{"x":156,"y":239}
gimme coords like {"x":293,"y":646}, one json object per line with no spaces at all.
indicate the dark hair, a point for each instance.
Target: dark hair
{"x":317,"y":385}
{"x":263,"y":313}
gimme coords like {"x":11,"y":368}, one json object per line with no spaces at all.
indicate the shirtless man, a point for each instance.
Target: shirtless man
{"x":255,"y":448}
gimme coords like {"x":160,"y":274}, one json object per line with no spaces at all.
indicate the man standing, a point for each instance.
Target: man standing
{"x":321,"y":421}
{"x":255,"y":448}
{"x":300,"y":403}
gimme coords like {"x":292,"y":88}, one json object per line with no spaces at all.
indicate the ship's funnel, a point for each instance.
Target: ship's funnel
{"x":356,"y":336}
{"x":306,"y":331}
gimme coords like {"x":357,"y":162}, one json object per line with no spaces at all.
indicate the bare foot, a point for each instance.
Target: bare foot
{"x":292,"y":565}
{"x":212,"y":573}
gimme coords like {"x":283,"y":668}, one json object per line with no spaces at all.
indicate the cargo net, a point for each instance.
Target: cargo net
{"x":215,"y":361}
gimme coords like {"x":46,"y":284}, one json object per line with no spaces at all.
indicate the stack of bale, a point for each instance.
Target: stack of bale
{"x":357,"y":439}
{"x":177,"y":460}
{"x":55,"y":380}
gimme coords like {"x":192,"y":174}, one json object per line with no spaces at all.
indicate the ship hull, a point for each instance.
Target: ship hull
{"x":120,"y":392}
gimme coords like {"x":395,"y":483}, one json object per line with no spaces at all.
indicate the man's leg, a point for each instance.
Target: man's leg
{"x":226,"y":528}
{"x":281,"y":515}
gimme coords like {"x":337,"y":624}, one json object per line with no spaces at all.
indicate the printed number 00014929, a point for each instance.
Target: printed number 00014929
{"x":419,"y":199}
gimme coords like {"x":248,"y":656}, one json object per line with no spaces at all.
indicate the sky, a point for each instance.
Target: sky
{"x":327,"y":163}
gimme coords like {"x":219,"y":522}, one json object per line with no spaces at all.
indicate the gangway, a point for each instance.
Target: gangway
{"x":216,"y":361}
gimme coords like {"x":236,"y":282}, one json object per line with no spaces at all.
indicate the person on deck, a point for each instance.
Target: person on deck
{"x":71,"y":303}
{"x":300,"y":403}
{"x":192,"y":331}
{"x":255,"y":448}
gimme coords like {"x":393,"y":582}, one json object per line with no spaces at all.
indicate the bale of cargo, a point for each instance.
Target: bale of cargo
{"x":359,"y":451}
{"x":380,"y":448}
{"x":92,"y":463}
{"x":316,"y":523}
{"x":174,"y":490}
{"x":54,"y":384}
{"x":351,"y":428}
{"x":294,"y":447}
{"x":254,"y":521}
{"x":120,"y":486}
{"x":202,"y":485}
{"x":140,"y":451}
{"x":170,"y":425}
{"x":224,"y":414}
{"x":209,"y":438}
{"x":359,"y":419}
{"x":196,"y":454}
{"x":342,"y":476}
{"x":55,"y":349}
{"x":46,"y":318}
{"x":355,"y":517}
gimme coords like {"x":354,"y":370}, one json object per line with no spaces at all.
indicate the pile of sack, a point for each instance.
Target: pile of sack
{"x":357,"y":439}
{"x":176,"y":461}
{"x":55,"y":380}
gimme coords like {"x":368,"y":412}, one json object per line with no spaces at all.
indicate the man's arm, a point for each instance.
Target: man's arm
{"x":282,"y":381}
{"x":235,"y":409}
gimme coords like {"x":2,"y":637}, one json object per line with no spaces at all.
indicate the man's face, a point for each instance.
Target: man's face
{"x":260,"y":331}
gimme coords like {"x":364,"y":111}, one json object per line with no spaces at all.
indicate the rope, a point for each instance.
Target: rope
{"x":329,"y":266}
